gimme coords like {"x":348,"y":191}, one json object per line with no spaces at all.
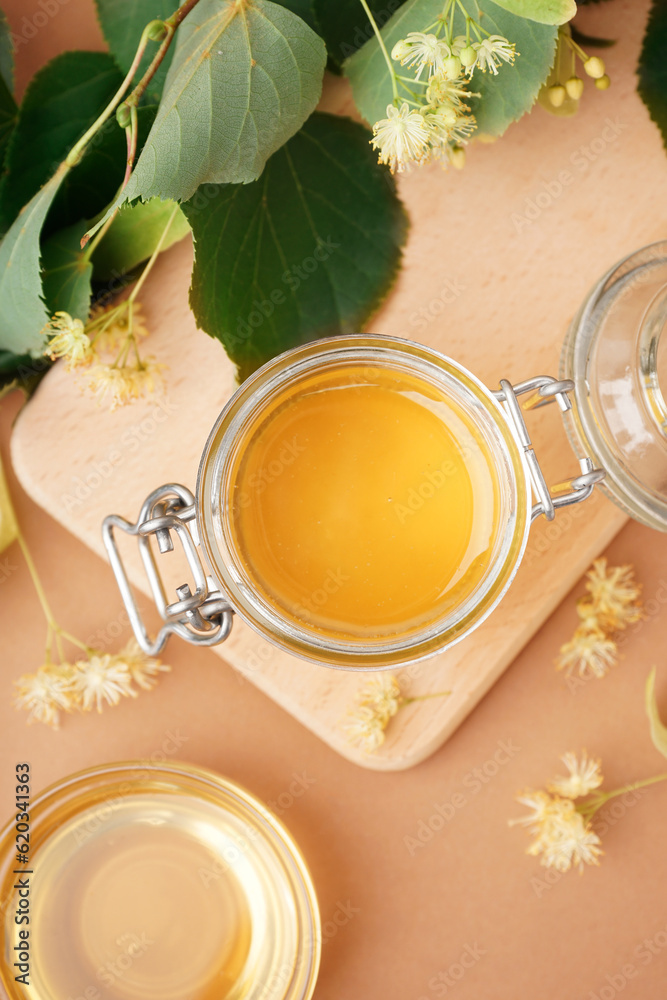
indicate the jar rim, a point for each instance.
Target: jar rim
{"x":213,"y":508}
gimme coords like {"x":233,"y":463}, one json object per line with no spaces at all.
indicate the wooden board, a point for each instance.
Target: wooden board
{"x":498,"y":260}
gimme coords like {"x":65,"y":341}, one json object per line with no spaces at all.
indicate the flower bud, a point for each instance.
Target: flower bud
{"x":557,"y":95}
{"x":594,"y":66}
{"x":603,"y":83}
{"x":157,"y":31}
{"x":457,"y":157}
{"x":123,"y":115}
{"x":574,"y":87}
{"x":468,"y":56}
{"x":401,"y":50}
{"x":452,"y":67}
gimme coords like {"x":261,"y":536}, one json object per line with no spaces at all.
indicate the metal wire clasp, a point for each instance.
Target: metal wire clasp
{"x":545,"y":389}
{"x":204,"y":616}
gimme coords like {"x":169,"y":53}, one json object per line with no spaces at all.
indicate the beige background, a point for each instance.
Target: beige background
{"x":471,"y":886}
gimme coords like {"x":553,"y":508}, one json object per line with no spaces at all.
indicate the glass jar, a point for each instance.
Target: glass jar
{"x":154,"y":882}
{"x":362,"y":502}
{"x":616,"y":355}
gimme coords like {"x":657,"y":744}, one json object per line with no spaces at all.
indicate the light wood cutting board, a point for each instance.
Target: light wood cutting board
{"x":498,"y":260}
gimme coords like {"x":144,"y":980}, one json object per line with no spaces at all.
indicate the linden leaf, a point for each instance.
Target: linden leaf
{"x":134,"y":234}
{"x":88,"y":189}
{"x":66,"y":274}
{"x":543,"y":11}
{"x":62,"y":100}
{"x":6,"y":54}
{"x":309,"y":250}
{"x":504,"y":98}
{"x":23,"y":315}
{"x":244,"y":79}
{"x":345,"y":27}
{"x":652,"y":69}
{"x":658,"y":729}
{"x":122,"y":22}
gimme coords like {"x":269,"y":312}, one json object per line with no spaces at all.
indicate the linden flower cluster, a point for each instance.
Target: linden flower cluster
{"x":430,"y":119}
{"x":376,"y":704}
{"x":563,"y":82}
{"x":99,"y":679}
{"x":106,"y":348}
{"x":612,"y":603}
{"x":564,"y":837}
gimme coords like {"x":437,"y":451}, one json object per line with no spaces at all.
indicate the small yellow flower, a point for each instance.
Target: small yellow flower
{"x":448,"y":93}
{"x":103,"y":678}
{"x":365,"y":728}
{"x":383,"y":695}
{"x":584,"y":776}
{"x":570,"y":843}
{"x":68,"y":340}
{"x":143,"y":669}
{"x":422,"y":51}
{"x":563,"y":838}
{"x":45,"y":693}
{"x":401,"y":138}
{"x":538,"y":803}
{"x":119,"y":386}
{"x":589,"y":652}
{"x":491,"y":52}
{"x":109,"y":327}
{"x":614,"y":594}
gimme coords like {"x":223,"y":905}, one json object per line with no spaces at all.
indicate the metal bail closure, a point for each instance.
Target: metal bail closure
{"x":203,"y":617}
{"x":544,"y":389}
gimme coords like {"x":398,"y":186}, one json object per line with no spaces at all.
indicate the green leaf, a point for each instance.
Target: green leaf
{"x":8,"y":109}
{"x":243,"y":80}
{"x":309,"y":250}
{"x":345,"y":27}
{"x":305,"y":10}
{"x":21,"y":372}
{"x":6,"y":54}
{"x":652,"y":69}
{"x":66,"y":275}
{"x":134,"y":235}
{"x":504,"y":98}
{"x":8,"y":115}
{"x":122,"y":23}
{"x":542,"y":11}
{"x":23,"y":316}
{"x":88,"y":189}
{"x":658,"y":729}
{"x":62,"y":100}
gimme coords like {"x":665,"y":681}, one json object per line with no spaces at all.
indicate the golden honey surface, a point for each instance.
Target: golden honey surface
{"x":364,"y":503}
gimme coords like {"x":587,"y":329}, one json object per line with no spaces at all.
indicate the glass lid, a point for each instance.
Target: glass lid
{"x":616,"y":354}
